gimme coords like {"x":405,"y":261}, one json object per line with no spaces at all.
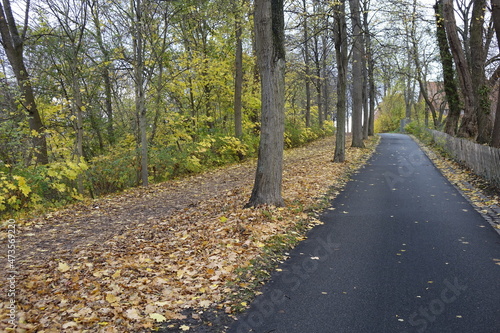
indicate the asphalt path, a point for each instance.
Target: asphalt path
{"x":400,"y":250}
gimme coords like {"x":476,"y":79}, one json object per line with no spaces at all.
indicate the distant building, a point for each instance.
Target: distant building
{"x":435,"y":91}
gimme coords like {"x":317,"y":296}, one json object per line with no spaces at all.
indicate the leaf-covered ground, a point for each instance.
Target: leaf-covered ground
{"x":171,"y":253}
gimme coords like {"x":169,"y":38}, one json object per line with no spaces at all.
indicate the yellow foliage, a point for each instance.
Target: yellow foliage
{"x":14,"y":191}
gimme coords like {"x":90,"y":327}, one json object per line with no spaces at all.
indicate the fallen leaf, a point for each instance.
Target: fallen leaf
{"x":110,"y":298}
{"x":157,"y":317}
{"x":63,"y":267}
{"x":133,"y":314}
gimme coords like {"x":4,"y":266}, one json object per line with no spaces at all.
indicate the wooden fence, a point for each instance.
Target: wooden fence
{"x":483,"y":160}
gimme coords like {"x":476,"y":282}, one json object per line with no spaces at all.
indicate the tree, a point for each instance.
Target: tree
{"x":270,"y":36}
{"x":468,"y":127}
{"x":357,"y":76}
{"x":307,"y":63}
{"x":13,"y":43}
{"x":495,"y":141}
{"x":340,"y":36}
{"x":72,"y":55}
{"x":449,"y":80}
{"x":238,"y":65}
{"x":477,"y":68}
{"x":96,"y":8}
{"x":370,"y":122}
{"x":140,"y":98}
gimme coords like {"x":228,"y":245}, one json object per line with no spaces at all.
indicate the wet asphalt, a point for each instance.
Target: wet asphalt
{"x":400,"y":250}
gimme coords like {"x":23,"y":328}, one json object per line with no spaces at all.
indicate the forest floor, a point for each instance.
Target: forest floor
{"x":184,"y":253}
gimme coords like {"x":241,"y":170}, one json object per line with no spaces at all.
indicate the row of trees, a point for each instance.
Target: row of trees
{"x":460,"y":42}
{"x":470,"y":50}
{"x":101,"y":95}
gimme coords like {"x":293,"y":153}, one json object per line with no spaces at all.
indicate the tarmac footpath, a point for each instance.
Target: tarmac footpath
{"x":400,"y":250}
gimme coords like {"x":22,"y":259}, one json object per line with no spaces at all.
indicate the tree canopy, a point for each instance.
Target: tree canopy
{"x":98,"y":96}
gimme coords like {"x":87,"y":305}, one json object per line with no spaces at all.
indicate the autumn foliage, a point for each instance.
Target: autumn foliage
{"x":127,"y":262}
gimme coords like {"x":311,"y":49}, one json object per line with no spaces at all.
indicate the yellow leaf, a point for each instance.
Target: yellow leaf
{"x":157,"y":317}
{"x":63,"y":267}
{"x":112,"y":298}
{"x":185,"y":328}
{"x":116,"y":274}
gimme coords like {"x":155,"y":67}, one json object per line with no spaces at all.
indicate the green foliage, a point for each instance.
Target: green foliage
{"x":391,"y":111}
{"x":419,"y":130}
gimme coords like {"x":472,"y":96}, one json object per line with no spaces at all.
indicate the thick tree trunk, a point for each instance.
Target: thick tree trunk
{"x":13,"y":44}
{"x":357,"y":76}
{"x":270,"y":35}
{"x":495,"y":140}
{"x":340,"y":36}
{"x":449,"y":80}
{"x":482,"y":103}
{"x":468,"y":127}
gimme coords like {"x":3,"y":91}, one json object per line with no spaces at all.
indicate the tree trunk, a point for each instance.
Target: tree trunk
{"x":468,"y":127}
{"x":495,"y":140}
{"x":77,"y":104}
{"x":238,"y":79}
{"x":270,"y":37}
{"x":414,"y":53}
{"x":449,"y":80}
{"x":370,"y":72}
{"x":13,"y":44}
{"x":482,"y":103}
{"x":340,"y":36}
{"x":366,"y":116}
{"x":106,"y":69}
{"x":357,"y":76}
{"x":140,"y":98}
{"x":326,"y":86}
{"x":307,"y":66}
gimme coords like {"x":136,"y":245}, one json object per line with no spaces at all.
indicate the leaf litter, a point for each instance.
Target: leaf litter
{"x":127,"y":262}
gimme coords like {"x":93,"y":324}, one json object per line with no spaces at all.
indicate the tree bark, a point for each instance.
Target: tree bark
{"x":140,"y":98}
{"x":482,"y":103}
{"x":106,"y":69}
{"x":468,"y":127}
{"x":449,"y":80}
{"x":270,"y":36}
{"x":495,"y":139}
{"x":307,"y":65}
{"x":13,"y":43}
{"x":340,"y":36}
{"x":357,"y":76}
{"x":371,"y":72}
